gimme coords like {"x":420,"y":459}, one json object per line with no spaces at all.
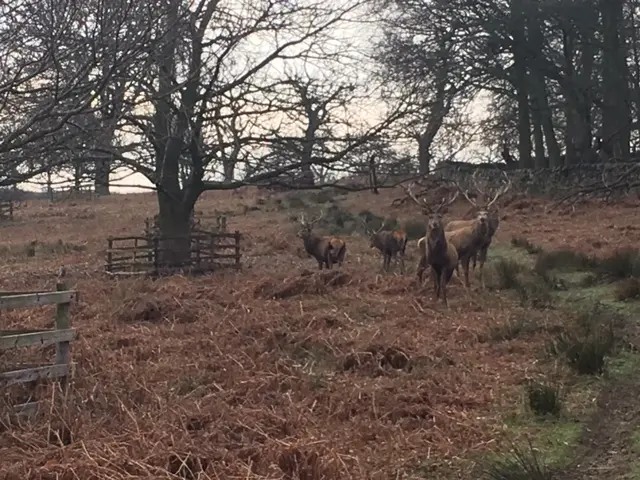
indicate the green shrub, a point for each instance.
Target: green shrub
{"x":544,"y":399}
{"x":534,"y":291}
{"x":415,"y":229}
{"x":295,"y":200}
{"x":506,"y":274}
{"x":513,"y":328}
{"x":521,"y":242}
{"x":373,"y":221}
{"x":588,"y":339}
{"x":518,"y":465}
{"x":325,"y":195}
{"x":627,"y":289}
{"x":40,"y":249}
{"x":621,"y":264}
{"x":563,"y":260}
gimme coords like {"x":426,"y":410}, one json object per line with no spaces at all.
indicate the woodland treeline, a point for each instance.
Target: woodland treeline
{"x":219,"y":94}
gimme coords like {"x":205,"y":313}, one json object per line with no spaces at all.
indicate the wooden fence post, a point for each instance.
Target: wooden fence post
{"x":109,"y":255}
{"x":62,"y":323}
{"x":237,"y":249}
{"x":156,"y":260}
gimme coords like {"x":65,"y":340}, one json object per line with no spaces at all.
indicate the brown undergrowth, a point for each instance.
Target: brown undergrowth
{"x":276,"y":371}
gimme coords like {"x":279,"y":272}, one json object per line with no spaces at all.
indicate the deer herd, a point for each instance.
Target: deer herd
{"x":445,"y":247}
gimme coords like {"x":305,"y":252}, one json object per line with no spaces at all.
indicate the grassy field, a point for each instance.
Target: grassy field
{"x":272,"y":372}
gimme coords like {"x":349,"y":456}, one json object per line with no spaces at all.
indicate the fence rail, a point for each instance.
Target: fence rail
{"x":72,"y":194}
{"x":6,"y":209}
{"x":144,"y":255}
{"x":61,"y":336}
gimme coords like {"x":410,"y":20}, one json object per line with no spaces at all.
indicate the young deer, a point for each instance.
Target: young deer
{"x":317,"y":246}
{"x":491,"y":214}
{"x":436,"y":251}
{"x":391,"y":243}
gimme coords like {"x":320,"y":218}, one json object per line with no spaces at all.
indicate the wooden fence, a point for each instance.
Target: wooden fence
{"x":60,"y":336}
{"x":6,"y":209}
{"x":72,"y":194}
{"x":143,"y":255}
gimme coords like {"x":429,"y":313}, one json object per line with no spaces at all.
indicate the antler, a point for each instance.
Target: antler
{"x":365,"y":225}
{"x":474,"y":179}
{"x":316,"y":220}
{"x":465,"y":193}
{"x":422,"y":204}
{"x":501,"y":191}
{"x":446,"y":202}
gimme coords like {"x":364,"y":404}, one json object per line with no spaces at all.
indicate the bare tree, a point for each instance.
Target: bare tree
{"x":418,"y":57}
{"x":54,"y":68}
{"x":204,"y":62}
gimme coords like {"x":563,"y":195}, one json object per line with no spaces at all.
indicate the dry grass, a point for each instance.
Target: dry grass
{"x":275,"y":371}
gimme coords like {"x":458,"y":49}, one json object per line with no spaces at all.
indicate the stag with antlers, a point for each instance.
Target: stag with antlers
{"x":436,"y":251}
{"x":484,"y":210}
{"x":317,"y":246}
{"x":391,"y":243}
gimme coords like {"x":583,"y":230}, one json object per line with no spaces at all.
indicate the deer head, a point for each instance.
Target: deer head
{"x":488,"y":198}
{"x":372,"y":233}
{"x":427,"y":209}
{"x":307,"y":227}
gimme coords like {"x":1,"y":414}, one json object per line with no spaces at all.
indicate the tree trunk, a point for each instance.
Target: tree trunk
{"x":101,"y":178}
{"x":519,"y":51}
{"x":539,"y":90}
{"x":77,"y":174}
{"x":538,"y":139}
{"x":616,"y":112}
{"x":424,"y":154}
{"x":174,"y":225}
{"x":228,"y":170}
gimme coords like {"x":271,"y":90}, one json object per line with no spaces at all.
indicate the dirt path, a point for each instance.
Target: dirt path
{"x":609,"y":447}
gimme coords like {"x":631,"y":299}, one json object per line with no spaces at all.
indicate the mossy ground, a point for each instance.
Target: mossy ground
{"x":595,"y":420}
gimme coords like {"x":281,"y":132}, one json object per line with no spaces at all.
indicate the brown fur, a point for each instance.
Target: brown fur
{"x":468,"y":240}
{"x":317,"y":246}
{"x":392,"y":245}
{"x":481,"y":251}
{"x":438,"y":253}
{"x":493,"y":220}
{"x":338,"y":250}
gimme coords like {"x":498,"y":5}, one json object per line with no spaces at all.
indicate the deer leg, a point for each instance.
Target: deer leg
{"x":443,"y":287}
{"x":465,"y":267}
{"x":482,"y":260}
{"x":402,"y":267}
{"x":437,"y":285}
{"x":421,"y":269}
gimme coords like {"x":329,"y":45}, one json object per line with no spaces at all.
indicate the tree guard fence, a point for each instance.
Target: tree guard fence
{"x":200,"y":252}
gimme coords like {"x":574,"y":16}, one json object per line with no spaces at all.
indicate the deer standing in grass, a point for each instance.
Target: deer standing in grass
{"x":391,"y":243}
{"x":487,"y":211}
{"x":436,"y":251}
{"x":317,"y":246}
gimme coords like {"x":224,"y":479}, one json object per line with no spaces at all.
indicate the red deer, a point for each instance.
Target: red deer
{"x":317,"y":246}
{"x":391,"y":243}
{"x":487,"y":210}
{"x":436,"y":251}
